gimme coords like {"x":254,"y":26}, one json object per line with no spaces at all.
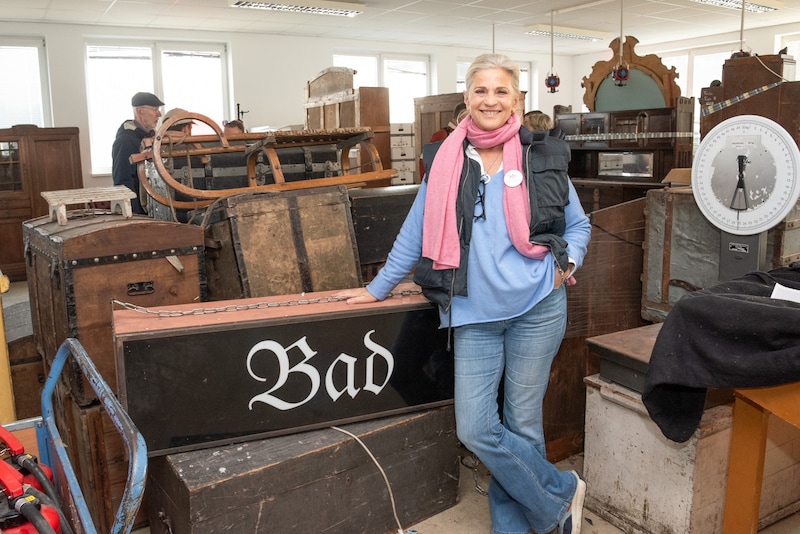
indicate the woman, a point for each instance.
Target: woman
{"x":497,"y":270}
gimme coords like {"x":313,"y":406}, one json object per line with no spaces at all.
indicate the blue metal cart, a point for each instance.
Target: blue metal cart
{"x":63,"y":472}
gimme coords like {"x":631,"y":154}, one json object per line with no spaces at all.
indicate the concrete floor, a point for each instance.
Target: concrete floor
{"x":471,"y":514}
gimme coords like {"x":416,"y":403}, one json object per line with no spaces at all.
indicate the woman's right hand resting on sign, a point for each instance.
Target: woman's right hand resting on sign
{"x":358,"y":295}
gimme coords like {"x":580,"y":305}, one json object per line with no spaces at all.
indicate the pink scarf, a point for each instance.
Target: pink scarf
{"x":440,"y":234}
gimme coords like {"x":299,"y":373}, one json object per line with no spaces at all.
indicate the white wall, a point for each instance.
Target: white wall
{"x":269,"y":72}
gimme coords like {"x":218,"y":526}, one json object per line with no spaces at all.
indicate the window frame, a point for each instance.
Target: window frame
{"x":40,"y":44}
{"x":157,"y":48}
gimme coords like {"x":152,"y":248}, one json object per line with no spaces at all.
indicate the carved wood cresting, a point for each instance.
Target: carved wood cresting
{"x":649,"y":64}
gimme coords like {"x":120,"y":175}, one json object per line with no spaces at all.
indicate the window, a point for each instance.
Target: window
{"x":406,"y":77}
{"x":24,"y":95}
{"x":366,"y":68}
{"x":115,"y":72}
{"x":792,"y":44}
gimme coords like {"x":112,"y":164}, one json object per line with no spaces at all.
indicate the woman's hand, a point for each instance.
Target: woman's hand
{"x":357,"y":295}
{"x":564,"y":277}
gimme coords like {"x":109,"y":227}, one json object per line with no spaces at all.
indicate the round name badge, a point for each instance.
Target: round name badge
{"x":512,"y":178}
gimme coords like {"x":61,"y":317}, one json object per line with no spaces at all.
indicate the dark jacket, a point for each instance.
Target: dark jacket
{"x":128,"y":142}
{"x":544,"y":160}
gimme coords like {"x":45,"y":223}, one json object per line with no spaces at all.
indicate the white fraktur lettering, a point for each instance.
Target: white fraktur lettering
{"x":305,"y":368}
{"x":377,"y":350}
{"x":283,"y":361}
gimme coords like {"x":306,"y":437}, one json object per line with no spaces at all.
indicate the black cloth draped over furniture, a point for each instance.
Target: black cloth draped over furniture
{"x":732,"y":335}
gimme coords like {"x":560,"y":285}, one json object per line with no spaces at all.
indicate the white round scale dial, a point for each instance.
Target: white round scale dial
{"x":745,"y":175}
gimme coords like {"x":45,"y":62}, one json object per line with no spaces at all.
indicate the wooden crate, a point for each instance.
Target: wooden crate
{"x":97,"y":454}
{"x":74,"y":272}
{"x":278,"y":243}
{"x":27,"y":377}
{"x":641,"y":482}
{"x":682,"y":249}
{"x":320,"y":481}
{"x":332,"y":102}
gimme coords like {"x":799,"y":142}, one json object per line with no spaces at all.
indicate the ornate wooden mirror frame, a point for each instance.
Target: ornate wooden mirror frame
{"x":649,"y":64}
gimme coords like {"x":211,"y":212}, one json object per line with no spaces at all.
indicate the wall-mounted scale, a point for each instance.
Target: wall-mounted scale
{"x":745,"y":180}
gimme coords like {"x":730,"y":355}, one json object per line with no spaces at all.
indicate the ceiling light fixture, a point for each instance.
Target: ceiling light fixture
{"x":310,"y":7}
{"x":764,"y":7}
{"x":563,"y":32}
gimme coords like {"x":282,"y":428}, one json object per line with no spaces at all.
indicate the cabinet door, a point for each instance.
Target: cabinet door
{"x":14,"y":208}
{"x":54,"y":162}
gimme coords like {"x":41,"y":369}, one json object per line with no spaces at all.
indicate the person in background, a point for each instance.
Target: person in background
{"x":183,"y":126}
{"x":540,"y":121}
{"x":537,"y":120}
{"x":146,"y":111}
{"x":497,"y":272}
{"x":459,"y":112}
{"x":233,"y":127}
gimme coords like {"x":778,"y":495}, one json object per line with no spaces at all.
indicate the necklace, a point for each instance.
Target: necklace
{"x":488,"y":168}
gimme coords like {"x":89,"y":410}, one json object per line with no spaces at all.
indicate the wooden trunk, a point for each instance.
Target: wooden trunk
{"x":263,"y":244}
{"x":682,"y":249}
{"x":74,"y":272}
{"x":378,"y":213}
{"x":320,"y":481}
{"x":32,"y":160}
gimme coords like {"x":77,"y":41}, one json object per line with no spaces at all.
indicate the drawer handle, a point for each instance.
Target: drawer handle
{"x":140,"y":288}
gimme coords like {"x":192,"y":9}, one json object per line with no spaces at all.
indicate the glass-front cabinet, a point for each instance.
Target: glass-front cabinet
{"x":32,"y":160}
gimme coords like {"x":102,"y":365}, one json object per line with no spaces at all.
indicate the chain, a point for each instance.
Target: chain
{"x":249,"y":306}
{"x":471,"y":462}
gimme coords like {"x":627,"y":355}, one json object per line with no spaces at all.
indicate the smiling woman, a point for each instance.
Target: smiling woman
{"x":507,"y":310}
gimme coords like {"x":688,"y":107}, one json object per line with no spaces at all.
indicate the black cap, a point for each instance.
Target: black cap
{"x":145,"y":99}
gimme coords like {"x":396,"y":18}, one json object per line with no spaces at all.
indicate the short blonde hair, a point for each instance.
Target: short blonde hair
{"x":537,"y":120}
{"x":490,"y":61}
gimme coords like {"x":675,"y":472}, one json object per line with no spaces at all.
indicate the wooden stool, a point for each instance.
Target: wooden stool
{"x":119,"y":196}
{"x":752,"y":407}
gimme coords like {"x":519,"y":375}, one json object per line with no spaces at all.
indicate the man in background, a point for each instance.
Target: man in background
{"x":146,"y":112}
{"x":183,"y":126}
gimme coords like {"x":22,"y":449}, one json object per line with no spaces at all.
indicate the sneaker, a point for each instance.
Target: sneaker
{"x":572,"y":520}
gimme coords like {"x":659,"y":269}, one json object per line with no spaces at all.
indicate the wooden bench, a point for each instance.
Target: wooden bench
{"x":119,"y":196}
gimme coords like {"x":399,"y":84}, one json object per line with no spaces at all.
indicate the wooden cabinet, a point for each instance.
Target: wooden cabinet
{"x":748,"y":88}
{"x":618,"y":156}
{"x":32,"y":160}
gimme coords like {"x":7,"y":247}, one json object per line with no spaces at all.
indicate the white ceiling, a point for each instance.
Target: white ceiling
{"x":487,"y":24}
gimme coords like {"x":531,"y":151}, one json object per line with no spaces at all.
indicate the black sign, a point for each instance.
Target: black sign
{"x":226,"y":384}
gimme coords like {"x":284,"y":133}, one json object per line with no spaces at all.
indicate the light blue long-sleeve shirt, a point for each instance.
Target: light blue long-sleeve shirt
{"x":502,"y":283}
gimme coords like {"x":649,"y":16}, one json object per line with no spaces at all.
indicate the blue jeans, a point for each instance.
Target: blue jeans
{"x":526,"y":491}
